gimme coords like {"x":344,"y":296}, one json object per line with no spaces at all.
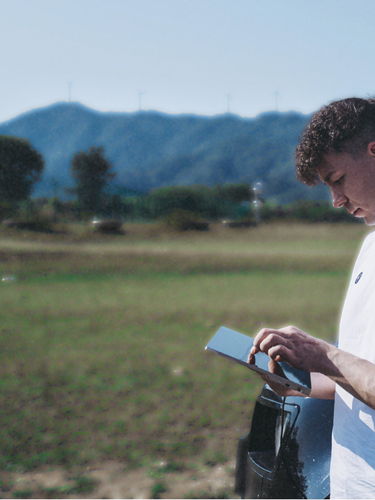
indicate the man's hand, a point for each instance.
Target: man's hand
{"x":292,"y":345}
{"x":326,"y":363}
{"x":275,"y":368}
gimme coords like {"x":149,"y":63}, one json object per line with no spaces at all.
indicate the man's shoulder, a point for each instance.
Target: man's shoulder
{"x":369,"y":241}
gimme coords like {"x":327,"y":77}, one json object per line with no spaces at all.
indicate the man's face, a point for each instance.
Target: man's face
{"x":352,"y":182}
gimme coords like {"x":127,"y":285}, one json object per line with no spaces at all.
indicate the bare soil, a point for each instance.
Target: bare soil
{"x":114,"y":481}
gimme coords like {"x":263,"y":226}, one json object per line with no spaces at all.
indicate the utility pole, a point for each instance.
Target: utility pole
{"x":257,"y":191}
{"x":140,"y":99}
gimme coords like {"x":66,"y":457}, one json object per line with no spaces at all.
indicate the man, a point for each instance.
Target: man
{"x":338,"y":149}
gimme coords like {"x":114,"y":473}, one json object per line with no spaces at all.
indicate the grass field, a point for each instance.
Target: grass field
{"x":102,"y":337}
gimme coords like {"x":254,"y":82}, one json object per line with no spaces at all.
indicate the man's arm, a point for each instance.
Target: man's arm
{"x":355,"y":375}
{"x":322,"y":387}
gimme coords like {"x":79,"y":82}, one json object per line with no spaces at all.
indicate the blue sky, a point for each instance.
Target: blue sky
{"x":185,"y":56}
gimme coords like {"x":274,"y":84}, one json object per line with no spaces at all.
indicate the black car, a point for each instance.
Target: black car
{"x":287,"y":452}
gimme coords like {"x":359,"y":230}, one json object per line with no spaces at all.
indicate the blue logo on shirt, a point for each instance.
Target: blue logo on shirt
{"x":358,"y":278}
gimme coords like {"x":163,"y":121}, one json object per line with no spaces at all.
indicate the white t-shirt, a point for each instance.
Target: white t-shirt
{"x":353,"y":437}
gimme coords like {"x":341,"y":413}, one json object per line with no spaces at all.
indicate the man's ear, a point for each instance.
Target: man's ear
{"x":371,"y":148}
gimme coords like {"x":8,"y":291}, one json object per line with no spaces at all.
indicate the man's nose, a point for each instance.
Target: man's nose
{"x":338,"y":198}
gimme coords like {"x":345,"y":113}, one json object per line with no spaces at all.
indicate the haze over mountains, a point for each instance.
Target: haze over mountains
{"x":151,"y":149}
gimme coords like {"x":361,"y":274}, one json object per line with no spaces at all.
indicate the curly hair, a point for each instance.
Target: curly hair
{"x":345,"y":126}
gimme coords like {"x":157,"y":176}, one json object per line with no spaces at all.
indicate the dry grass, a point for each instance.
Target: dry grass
{"x":148,"y":248}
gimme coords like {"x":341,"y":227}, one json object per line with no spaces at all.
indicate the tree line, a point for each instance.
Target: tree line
{"x":96,"y":194}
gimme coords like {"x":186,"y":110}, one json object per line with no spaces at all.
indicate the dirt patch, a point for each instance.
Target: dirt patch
{"x":110,"y":479}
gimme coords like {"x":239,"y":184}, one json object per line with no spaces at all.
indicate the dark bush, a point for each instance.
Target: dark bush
{"x":183,"y":220}
{"x":306,"y":211}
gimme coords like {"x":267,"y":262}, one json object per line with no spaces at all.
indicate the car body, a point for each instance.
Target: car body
{"x":287,"y":452}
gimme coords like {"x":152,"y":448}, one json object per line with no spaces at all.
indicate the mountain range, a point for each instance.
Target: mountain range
{"x":149,"y":149}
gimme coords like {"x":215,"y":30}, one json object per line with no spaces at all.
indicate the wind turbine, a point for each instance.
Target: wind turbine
{"x":228,"y":102}
{"x":140,"y":94}
{"x":276,"y":99}
{"x":70,"y":91}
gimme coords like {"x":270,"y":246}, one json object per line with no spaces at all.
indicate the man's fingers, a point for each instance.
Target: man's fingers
{"x":276,"y":369}
{"x":275,"y":344}
{"x":280,"y":353}
{"x":254,"y":350}
{"x":269,"y":336}
{"x":262,"y":335}
{"x":251,"y":359}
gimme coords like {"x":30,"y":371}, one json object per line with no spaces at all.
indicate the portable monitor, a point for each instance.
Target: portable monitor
{"x":236,"y":346}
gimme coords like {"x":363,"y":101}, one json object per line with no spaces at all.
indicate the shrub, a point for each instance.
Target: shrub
{"x":183,"y":220}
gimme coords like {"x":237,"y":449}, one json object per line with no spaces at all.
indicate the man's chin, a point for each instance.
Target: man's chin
{"x":369,"y":220}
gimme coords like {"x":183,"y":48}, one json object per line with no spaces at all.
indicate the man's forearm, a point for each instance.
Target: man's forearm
{"x":322,"y":387}
{"x":354,"y":374}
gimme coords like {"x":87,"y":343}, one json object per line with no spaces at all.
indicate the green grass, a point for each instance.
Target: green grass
{"x":158,"y":489}
{"x":27,"y":493}
{"x":102,"y":342}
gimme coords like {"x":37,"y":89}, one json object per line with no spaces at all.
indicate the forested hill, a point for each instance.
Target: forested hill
{"x":151,"y":149}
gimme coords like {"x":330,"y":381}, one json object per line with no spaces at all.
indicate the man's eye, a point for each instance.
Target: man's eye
{"x":340,"y":180}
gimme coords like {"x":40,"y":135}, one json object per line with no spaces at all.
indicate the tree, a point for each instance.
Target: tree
{"x":235,"y":193}
{"x":91,"y":172}
{"x":21,"y":166}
